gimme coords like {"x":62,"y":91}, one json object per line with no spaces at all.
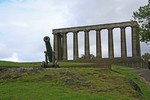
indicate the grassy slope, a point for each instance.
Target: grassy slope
{"x":128,"y":73}
{"x":38,"y":64}
{"x":18,"y":64}
{"x":71,"y":83}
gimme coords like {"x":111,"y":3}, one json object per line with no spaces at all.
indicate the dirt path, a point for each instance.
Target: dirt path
{"x":145,"y":74}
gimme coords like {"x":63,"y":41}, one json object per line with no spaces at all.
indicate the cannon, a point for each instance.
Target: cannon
{"x":49,"y":55}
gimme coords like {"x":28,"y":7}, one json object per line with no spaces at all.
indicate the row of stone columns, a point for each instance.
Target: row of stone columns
{"x":60,"y":44}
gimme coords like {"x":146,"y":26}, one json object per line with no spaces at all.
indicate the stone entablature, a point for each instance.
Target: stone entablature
{"x":96,"y":27}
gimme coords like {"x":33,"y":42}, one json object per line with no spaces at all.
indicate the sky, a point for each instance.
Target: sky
{"x":24,"y":23}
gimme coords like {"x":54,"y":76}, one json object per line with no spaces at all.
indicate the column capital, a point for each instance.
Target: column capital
{"x":98,"y":29}
{"x":86,"y":30}
{"x":110,"y":28}
{"x":62,"y":33}
{"x":134,"y":24}
{"x":54,"y":33}
{"x":76,"y":31}
{"x":122,"y":27}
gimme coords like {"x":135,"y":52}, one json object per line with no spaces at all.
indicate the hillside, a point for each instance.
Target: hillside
{"x":69,"y":83}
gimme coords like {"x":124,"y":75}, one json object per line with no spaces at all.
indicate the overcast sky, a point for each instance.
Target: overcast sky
{"x":24,"y":23}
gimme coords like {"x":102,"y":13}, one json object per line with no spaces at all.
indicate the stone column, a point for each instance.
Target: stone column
{"x":87,"y":48}
{"x":56,"y":46}
{"x":98,"y":44}
{"x":59,"y":47}
{"x":123,"y":43}
{"x":75,"y":45}
{"x":138,"y":45}
{"x":110,"y":43}
{"x":65,"y":46}
{"x":134,"y":42}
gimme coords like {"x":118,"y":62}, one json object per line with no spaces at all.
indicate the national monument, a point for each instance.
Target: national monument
{"x":60,"y":43}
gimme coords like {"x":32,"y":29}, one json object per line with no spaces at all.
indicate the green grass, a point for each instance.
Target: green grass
{"x":38,"y":64}
{"x":19,"y":64}
{"x":46,"y":90}
{"x":70,"y":83}
{"x":127,"y":71}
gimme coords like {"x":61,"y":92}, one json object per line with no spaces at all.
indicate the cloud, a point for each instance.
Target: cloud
{"x":24,"y":23}
{"x":13,"y":57}
{"x":4,"y":51}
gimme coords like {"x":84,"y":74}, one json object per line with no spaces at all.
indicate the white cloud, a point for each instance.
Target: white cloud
{"x":14,"y":58}
{"x":24,"y":23}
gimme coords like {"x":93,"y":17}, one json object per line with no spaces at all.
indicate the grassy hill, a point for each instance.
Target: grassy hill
{"x":69,"y":83}
{"x":19,"y":64}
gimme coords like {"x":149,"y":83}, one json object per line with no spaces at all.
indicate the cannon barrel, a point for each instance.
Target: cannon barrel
{"x":48,"y":48}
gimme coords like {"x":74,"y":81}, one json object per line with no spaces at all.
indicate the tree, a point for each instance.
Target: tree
{"x":143,"y":18}
{"x":146,"y":56}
